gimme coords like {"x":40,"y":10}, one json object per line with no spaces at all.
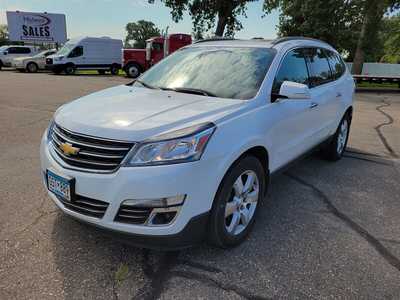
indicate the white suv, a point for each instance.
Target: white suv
{"x":8,"y":53}
{"x":186,"y":151}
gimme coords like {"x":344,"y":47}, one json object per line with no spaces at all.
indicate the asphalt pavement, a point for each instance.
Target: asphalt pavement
{"x":326,"y":230}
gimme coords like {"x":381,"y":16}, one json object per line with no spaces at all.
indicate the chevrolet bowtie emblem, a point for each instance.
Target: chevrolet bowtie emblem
{"x":68,"y":149}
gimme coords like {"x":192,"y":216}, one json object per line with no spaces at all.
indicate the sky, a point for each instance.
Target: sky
{"x":109,"y":17}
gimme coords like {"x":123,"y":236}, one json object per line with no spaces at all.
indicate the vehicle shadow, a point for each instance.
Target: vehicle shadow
{"x":295,"y":245}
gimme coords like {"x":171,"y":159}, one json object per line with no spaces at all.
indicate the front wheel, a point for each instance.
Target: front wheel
{"x":334,"y":150}
{"x":236,"y":203}
{"x":69,"y":70}
{"x":32,"y":67}
{"x":132,"y":70}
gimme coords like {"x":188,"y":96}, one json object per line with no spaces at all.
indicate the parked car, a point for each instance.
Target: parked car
{"x":136,"y":61}
{"x":34,"y":63}
{"x":8,"y":53}
{"x":186,"y":151}
{"x":89,"y":53}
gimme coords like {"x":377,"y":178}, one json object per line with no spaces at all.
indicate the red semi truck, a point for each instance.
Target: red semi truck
{"x":136,"y":61}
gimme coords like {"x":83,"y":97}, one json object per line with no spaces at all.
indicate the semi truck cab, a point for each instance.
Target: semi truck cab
{"x":136,"y":61}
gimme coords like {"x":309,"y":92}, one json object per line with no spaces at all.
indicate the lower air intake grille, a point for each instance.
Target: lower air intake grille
{"x":86,"y":206}
{"x":133,"y":215}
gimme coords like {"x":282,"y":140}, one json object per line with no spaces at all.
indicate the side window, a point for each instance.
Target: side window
{"x":157,"y":46}
{"x":293,"y":68}
{"x":320,"y":71}
{"x":337,"y":65}
{"x":12,"y":50}
{"x":76,"y":52}
{"x":23,"y":50}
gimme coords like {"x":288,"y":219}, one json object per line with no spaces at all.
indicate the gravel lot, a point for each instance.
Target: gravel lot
{"x":326,"y":230}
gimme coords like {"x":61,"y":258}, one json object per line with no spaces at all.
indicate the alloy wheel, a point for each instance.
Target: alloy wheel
{"x":342,"y":136}
{"x":242,"y":204}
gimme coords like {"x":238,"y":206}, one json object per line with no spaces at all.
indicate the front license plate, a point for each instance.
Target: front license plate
{"x":59,"y":185}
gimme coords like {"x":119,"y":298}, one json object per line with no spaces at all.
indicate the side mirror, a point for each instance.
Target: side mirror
{"x":293,"y":90}
{"x":5,"y":52}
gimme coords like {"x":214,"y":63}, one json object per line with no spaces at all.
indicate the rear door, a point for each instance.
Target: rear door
{"x":343,"y":85}
{"x":323,"y":95}
{"x":292,"y":130}
{"x":14,"y":52}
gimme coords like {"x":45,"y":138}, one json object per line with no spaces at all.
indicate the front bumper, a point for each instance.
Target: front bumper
{"x":195,"y":180}
{"x":54,"y":67}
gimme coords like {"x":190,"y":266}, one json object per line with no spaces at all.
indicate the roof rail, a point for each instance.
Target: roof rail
{"x":294,"y":38}
{"x":215,"y":39}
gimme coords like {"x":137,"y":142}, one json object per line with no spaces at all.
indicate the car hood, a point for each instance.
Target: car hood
{"x":135,"y":114}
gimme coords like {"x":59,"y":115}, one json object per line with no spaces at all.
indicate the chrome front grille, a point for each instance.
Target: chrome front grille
{"x":96,"y":154}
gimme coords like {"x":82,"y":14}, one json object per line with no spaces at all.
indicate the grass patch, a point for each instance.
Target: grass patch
{"x":121,"y":274}
{"x":388,"y":85}
{"x":94,"y":72}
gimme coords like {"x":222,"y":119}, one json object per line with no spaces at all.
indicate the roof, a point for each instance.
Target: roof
{"x":264,"y":43}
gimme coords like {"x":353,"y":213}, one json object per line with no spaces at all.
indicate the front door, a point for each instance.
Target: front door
{"x":291,"y":134}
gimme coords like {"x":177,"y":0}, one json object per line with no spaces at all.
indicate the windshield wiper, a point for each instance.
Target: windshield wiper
{"x":189,"y":91}
{"x":146,"y":85}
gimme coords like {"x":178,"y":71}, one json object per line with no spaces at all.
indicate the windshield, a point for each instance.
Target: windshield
{"x":227,"y":72}
{"x":41,"y":54}
{"x":65,"y":49}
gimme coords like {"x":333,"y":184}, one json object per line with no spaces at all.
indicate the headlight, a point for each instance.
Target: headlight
{"x":177,"y":147}
{"x":50,"y":130}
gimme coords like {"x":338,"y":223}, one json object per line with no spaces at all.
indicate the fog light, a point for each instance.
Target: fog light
{"x":163,"y":218}
{"x":161,"y":202}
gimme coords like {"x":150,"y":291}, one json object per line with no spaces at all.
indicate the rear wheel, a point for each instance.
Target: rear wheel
{"x":334,"y":150}
{"x":132,"y":70}
{"x":114,"y":69}
{"x":236,"y":203}
{"x":32,"y":67}
{"x":70,"y":69}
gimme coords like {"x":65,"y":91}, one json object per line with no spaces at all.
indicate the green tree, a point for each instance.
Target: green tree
{"x":352,"y":26}
{"x":335,"y":21}
{"x":223,"y":15}
{"x":3,"y":34}
{"x":390,"y":35}
{"x":138,"y":32}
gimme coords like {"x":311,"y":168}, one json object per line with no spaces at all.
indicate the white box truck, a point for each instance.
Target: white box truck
{"x":88,"y":53}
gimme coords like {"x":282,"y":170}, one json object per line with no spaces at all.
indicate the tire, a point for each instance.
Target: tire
{"x":1,"y":64}
{"x":69,"y":69}
{"x":114,"y":69}
{"x":227,"y":224}
{"x":101,"y":72}
{"x":32,"y":67}
{"x":132,"y":70}
{"x":334,"y":150}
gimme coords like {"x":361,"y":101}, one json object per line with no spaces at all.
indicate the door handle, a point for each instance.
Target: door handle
{"x":338,"y":95}
{"x":313,"y":105}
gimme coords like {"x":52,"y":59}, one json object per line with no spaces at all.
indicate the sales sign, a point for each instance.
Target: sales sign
{"x":36,"y":27}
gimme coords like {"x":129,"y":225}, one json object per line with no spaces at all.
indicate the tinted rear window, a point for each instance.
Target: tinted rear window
{"x":337,"y":65}
{"x":320,"y":71}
